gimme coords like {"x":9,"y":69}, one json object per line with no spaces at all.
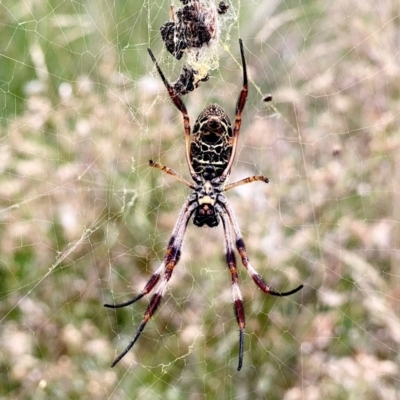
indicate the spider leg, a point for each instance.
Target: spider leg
{"x":239,"y":108}
{"x":241,"y":247}
{"x":171,"y":172}
{"x":236,"y":294}
{"x":246,"y":181}
{"x":170,"y":261}
{"x":180,"y":105}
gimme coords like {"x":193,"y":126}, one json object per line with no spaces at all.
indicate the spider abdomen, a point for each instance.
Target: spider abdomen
{"x":211,"y":146}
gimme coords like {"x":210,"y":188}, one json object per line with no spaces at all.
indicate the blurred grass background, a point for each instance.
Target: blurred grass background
{"x":85,"y":221}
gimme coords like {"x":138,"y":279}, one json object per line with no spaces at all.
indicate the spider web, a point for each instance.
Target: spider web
{"x":85,"y":221}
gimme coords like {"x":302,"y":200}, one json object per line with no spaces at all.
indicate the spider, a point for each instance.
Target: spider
{"x":210,"y":152}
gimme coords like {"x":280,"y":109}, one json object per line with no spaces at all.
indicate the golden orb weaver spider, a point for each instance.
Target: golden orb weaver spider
{"x":210,"y":152}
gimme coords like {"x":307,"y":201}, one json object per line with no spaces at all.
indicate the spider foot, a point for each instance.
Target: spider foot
{"x":281,"y":294}
{"x":241,"y":346}
{"x":127,"y":303}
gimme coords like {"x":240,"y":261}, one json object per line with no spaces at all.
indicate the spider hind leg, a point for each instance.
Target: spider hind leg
{"x":236,"y":293}
{"x":259,"y":281}
{"x":241,"y":248}
{"x":151,"y":309}
{"x":148,"y":288}
{"x":171,"y":259}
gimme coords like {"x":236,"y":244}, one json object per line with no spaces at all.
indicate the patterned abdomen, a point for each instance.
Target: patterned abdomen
{"x":211,"y":145}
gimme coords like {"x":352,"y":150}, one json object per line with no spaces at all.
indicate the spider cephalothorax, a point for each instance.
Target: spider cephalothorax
{"x":206,"y":196}
{"x":210,"y":152}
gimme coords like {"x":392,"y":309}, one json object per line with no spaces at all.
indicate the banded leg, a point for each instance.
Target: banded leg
{"x":245,"y":181}
{"x":239,"y":108}
{"x":180,"y":105}
{"x":236,"y":294}
{"x":170,"y":260}
{"x":259,"y":281}
{"x":171,"y":172}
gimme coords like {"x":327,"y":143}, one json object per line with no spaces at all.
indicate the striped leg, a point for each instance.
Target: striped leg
{"x":170,"y":260}
{"x":236,"y":294}
{"x":180,"y":105}
{"x":245,"y":181}
{"x":259,"y":281}
{"x":238,"y":118}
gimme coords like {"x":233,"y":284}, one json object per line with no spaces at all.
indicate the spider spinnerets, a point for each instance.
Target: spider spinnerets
{"x":210,"y":152}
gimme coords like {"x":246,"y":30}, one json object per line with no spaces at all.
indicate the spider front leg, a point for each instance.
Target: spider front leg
{"x":236,"y":294}
{"x":241,"y":247}
{"x":180,"y":105}
{"x":241,"y":101}
{"x":170,"y":260}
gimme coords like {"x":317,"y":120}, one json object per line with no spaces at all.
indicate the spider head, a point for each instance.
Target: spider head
{"x":205,"y":215}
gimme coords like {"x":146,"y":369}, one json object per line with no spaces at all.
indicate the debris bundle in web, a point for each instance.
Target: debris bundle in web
{"x":194,"y":31}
